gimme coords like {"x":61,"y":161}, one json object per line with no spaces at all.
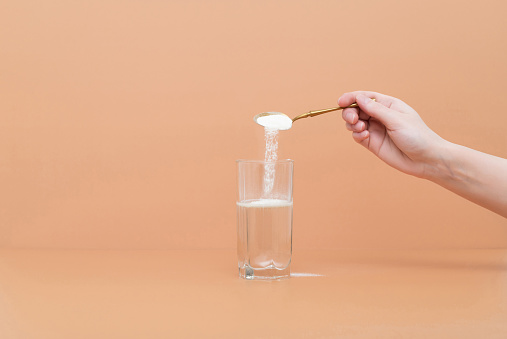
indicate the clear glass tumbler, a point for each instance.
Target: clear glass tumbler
{"x":264,"y":213}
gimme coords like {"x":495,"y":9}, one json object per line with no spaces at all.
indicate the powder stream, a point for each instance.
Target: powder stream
{"x":270,"y":157}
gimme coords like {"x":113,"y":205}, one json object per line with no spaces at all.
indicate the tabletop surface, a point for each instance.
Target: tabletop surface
{"x":197,"y":294}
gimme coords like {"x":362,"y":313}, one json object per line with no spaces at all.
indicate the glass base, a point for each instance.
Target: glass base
{"x":268,"y":273}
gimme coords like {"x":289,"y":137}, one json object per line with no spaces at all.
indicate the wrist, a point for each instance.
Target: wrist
{"x":439,"y":168}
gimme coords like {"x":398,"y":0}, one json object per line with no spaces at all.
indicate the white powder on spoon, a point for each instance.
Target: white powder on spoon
{"x":275,"y":120}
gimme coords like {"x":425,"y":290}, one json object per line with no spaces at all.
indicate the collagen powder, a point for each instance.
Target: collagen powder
{"x":272,"y":122}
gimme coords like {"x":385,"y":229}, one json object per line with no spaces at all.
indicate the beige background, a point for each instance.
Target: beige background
{"x":120,"y":120}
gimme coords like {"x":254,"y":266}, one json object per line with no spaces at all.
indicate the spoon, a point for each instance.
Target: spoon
{"x":283,"y":122}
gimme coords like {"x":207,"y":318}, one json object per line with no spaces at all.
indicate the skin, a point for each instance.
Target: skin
{"x":394,"y":132}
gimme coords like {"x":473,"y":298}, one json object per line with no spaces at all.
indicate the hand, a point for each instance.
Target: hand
{"x":393,"y":131}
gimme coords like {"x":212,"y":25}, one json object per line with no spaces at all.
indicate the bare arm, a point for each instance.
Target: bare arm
{"x":476,"y":176}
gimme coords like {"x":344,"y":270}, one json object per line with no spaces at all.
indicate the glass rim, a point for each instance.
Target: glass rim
{"x":283,"y":161}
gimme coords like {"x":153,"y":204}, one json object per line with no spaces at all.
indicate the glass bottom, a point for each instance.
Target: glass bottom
{"x":268,"y":273}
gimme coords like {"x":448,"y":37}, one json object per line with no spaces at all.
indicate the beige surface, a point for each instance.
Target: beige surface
{"x":197,"y":294}
{"x":107,"y":141}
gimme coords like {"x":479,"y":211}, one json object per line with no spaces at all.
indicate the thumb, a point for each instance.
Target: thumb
{"x":376,"y":110}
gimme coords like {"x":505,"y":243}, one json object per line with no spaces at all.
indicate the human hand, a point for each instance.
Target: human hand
{"x":393,"y":131}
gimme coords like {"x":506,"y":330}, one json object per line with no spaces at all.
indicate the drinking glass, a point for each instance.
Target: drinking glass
{"x":264,"y":218}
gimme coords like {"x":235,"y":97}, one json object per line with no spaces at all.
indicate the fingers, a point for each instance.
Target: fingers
{"x":355,"y":120}
{"x":348,"y":99}
{"x":376,"y":110}
{"x":361,"y":137}
{"x":363,"y":116}
{"x":350,"y":115}
{"x":379,"y":109}
{"x":357,"y":127}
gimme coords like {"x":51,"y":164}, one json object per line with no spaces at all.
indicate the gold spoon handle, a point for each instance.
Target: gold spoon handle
{"x":322,"y":111}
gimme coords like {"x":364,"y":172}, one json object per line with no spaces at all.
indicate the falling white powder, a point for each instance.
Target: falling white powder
{"x":270,"y":157}
{"x":272,"y":122}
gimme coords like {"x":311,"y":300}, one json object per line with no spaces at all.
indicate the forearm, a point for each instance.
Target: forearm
{"x":478,"y":177}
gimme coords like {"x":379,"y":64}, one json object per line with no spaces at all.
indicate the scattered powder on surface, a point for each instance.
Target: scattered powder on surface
{"x":305,"y":275}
